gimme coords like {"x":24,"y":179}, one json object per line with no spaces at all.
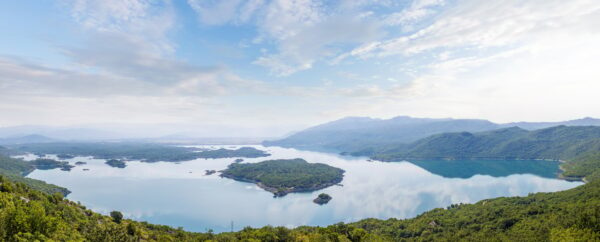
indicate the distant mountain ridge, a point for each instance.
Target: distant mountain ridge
{"x":361,"y":133}
{"x":587,"y":121}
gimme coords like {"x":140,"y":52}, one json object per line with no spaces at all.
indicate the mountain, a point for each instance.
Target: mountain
{"x":32,"y":138}
{"x":354,"y":134}
{"x":560,"y":142}
{"x":62,"y":133}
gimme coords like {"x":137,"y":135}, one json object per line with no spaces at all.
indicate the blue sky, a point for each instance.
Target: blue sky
{"x":277,"y":66}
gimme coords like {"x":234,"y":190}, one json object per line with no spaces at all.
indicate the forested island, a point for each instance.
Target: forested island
{"x":284,"y":176}
{"x":65,"y":156}
{"x":116,"y":163}
{"x":146,"y":152}
{"x":323,"y":198}
{"x":48,"y":164}
{"x":246,"y":152}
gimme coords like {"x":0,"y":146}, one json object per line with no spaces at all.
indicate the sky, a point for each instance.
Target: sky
{"x":275,"y":66}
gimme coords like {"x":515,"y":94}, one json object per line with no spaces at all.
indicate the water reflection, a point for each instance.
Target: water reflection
{"x":495,"y":168}
{"x":182,"y":195}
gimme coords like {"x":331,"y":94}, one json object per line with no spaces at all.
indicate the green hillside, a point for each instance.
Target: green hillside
{"x":15,"y":170}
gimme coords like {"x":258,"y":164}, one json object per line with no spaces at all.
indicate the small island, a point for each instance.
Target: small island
{"x":284,"y":176}
{"x":246,"y":152}
{"x":65,"y":156}
{"x":209,"y":172}
{"x":323,"y":198}
{"x":116,"y":163}
{"x":48,"y":164}
{"x":79,"y":163}
{"x":238,"y":160}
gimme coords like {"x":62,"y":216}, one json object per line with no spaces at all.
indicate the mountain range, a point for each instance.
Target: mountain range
{"x":354,"y":134}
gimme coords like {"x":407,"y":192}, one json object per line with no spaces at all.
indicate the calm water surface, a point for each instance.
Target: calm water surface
{"x":179,"y":194}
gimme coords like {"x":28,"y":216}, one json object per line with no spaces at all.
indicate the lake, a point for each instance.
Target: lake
{"x":181,"y":195}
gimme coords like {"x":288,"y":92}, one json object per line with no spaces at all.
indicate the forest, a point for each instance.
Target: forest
{"x":284,"y":176}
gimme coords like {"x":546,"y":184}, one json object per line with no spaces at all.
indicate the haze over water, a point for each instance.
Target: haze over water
{"x":180,"y":194}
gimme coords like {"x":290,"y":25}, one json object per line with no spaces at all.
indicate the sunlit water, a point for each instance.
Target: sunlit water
{"x":181,"y":195}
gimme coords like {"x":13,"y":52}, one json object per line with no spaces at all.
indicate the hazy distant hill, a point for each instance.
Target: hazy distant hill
{"x":560,"y":142}
{"x":540,"y":125}
{"x":360,"y":133}
{"x":62,"y":133}
{"x":357,"y":132}
{"x":33,"y":138}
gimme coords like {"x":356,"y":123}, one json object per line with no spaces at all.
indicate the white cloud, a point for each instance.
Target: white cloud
{"x":127,"y":42}
{"x":225,"y":11}
{"x":418,"y":10}
{"x":303,"y":31}
{"x":474,"y":25}
{"x":145,"y":20}
{"x":504,"y":61}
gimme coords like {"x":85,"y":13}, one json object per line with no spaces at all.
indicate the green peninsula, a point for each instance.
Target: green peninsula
{"x":284,"y":176}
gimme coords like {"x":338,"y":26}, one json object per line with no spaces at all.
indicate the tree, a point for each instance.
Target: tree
{"x":116,"y":216}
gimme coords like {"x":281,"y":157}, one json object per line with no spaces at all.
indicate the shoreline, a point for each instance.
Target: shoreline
{"x":277,"y":192}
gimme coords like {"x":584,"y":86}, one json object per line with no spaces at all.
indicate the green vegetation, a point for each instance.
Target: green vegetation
{"x":585,"y":166}
{"x":572,"y":215}
{"x":65,"y":156}
{"x":284,"y":176}
{"x":556,"y":143}
{"x":15,"y":170}
{"x":15,"y":166}
{"x":116,"y":163}
{"x":323,"y":198}
{"x":48,"y":164}
{"x":247,"y":152}
{"x":116,"y":216}
{"x":148,"y":152}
